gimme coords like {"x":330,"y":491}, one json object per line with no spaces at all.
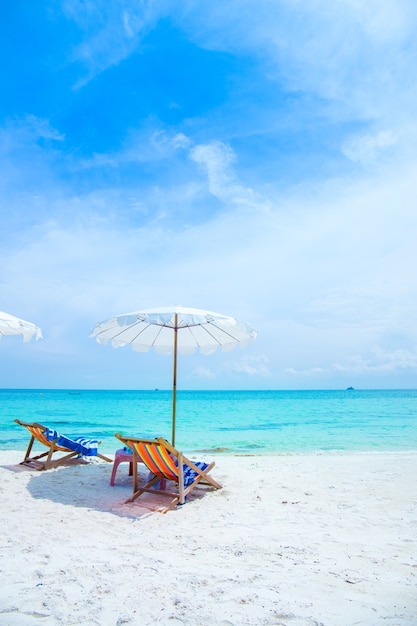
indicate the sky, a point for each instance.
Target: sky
{"x":252,"y":157}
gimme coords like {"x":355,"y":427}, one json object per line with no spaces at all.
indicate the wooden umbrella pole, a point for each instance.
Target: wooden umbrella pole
{"x":174,"y":385}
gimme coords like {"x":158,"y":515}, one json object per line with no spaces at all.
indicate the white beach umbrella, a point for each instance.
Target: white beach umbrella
{"x":11,"y":325}
{"x":172,"y":330}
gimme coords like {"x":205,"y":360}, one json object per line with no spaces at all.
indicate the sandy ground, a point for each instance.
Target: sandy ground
{"x":295,"y":540}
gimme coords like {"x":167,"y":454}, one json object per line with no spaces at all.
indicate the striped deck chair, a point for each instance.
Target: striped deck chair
{"x":166,"y":463}
{"x":55,"y":442}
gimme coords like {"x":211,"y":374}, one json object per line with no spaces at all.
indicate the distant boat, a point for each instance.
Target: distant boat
{"x":350,"y":389}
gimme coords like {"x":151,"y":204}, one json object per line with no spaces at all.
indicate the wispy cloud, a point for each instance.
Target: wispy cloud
{"x":253,"y":365}
{"x":379,"y":361}
{"x":40,"y":127}
{"x":111,"y":32}
{"x":21,"y":132}
{"x":217,"y":159}
{"x":354,"y":55}
{"x":204,"y":372}
{"x":365,"y":149}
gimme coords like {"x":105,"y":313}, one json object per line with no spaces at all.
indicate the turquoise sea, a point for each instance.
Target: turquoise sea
{"x":242,"y":422}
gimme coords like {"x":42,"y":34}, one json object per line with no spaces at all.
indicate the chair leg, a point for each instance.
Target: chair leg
{"x":47,"y":464}
{"x":29,"y":449}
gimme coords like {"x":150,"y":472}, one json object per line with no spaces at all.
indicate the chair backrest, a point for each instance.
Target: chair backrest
{"x":38,"y":431}
{"x":156,"y":457}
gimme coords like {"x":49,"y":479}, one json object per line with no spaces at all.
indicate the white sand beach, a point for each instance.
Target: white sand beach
{"x":290,"y":540}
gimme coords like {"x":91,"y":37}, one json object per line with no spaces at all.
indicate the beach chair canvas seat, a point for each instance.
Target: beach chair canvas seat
{"x":165,"y":463}
{"x":56,"y":443}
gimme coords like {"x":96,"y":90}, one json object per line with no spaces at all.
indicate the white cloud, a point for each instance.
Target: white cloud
{"x":253,"y":365}
{"x":24,"y":131}
{"x":203,"y":372}
{"x":366,"y":148}
{"x":147,"y":145}
{"x":181,"y":141}
{"x":311,"y":371}
{"x":111,"y":32}
{"x":356,"y":56}
{"x":384,"y":21}
{"x":378,"y":361}
{"x":217,"y":159}
{"x":42,"y":128}
{"x":130,"y":24}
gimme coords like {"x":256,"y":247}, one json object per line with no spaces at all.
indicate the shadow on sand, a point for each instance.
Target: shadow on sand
{"x":86,"y":484}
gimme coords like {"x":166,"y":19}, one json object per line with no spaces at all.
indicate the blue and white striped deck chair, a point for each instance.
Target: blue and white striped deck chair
{"x":57,"y":443}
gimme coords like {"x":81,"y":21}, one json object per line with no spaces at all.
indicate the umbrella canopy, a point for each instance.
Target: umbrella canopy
{"x":11,"y":325}
{"x":172,"y":330}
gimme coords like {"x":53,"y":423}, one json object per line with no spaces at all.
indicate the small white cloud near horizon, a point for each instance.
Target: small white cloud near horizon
{"x":252,"y":365}
{"x":203,"y":372}
{"x":379,"y":361}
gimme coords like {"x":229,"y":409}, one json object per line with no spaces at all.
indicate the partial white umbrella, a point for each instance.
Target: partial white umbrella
{"x":11,"y":325}
{"x":172,"y":330}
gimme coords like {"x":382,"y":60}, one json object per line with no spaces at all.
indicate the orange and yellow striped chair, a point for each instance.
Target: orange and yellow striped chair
{"x":167,"y":464}
{"x":55,"y":442}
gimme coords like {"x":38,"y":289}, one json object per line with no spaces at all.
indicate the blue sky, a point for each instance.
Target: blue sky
{"x":252,"y":158}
